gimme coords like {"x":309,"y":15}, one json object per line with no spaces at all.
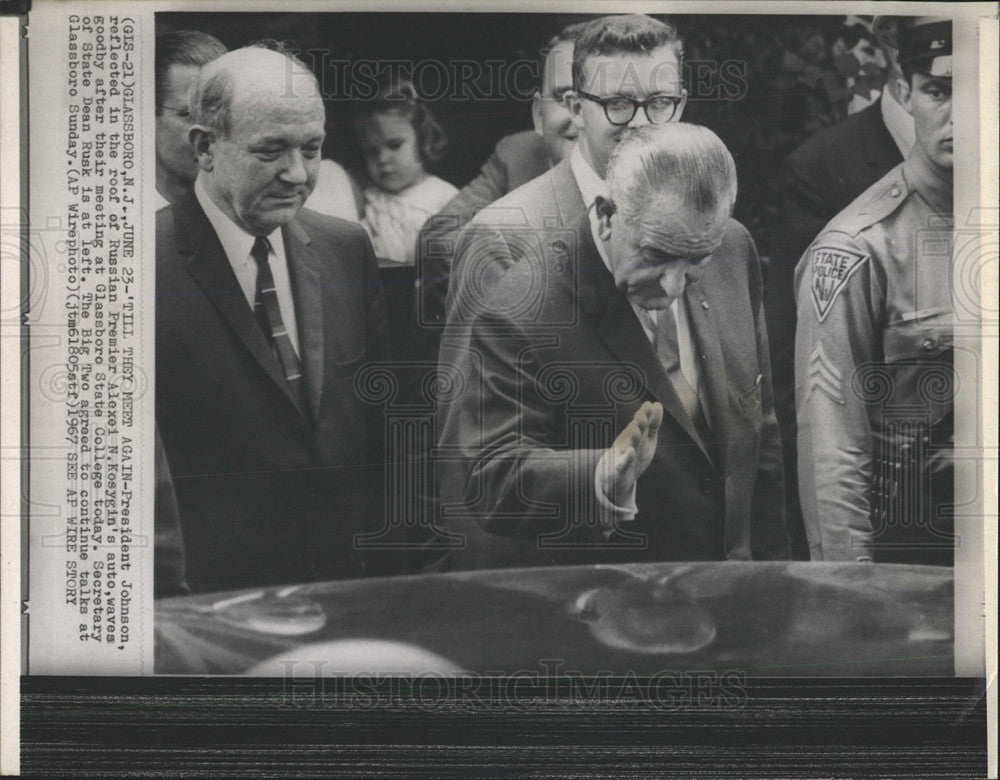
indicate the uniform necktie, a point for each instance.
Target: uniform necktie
{"x":268,"y":314}
{"x":668,"y":351}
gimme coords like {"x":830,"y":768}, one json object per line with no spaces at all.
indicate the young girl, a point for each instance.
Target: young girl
{"x":399,"y":140}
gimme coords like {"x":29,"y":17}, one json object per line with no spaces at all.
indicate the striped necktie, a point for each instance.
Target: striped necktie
{"x":668,"y":351}
{"x":268,"y":314}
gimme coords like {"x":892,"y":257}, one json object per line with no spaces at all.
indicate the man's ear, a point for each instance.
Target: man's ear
{"x":575,"y":105}
{"x":605,"y":209}
{"x":905,"y":93}
{"x":536,"y":111}
{"x":202,"y":140}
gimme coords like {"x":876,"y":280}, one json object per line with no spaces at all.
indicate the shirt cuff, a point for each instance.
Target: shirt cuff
{"x":612,"y":514}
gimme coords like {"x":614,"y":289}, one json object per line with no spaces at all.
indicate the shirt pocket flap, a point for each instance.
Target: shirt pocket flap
{"x":918,"y":334}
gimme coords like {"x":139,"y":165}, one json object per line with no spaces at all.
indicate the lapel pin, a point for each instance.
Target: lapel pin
{"x":704,"y":304}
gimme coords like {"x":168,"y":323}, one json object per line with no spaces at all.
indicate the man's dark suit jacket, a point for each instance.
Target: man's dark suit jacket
{"x":268,"y":492}
{"x":168,"y":543}
{"x":516,"y":160}
{"x":819,"y":179}
{"x":557,"y":365}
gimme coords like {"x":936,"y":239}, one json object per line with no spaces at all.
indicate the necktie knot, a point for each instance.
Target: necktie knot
{"x":260,"y":251}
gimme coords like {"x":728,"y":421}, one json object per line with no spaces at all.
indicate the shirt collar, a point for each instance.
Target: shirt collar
{"x":591,"y":185}
{"x":934,"y":188}
{"x":236,"y":242}
{"x":161,"y":202}
{"x":898,"y":122}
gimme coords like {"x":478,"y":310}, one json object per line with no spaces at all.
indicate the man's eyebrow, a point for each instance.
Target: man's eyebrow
{"x":269,"y":140}
{"x":280,"y":140}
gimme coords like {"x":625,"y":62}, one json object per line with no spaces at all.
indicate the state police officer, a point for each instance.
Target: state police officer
{"x":873,"y":355}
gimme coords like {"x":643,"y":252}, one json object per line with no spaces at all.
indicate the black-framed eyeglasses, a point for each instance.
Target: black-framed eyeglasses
{"x":620,"y":110}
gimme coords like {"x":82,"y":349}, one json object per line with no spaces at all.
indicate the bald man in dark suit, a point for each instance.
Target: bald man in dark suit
{"x":265,"y":314}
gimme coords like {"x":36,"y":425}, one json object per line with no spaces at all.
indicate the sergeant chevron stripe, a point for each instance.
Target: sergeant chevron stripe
{"x":824,"y":376}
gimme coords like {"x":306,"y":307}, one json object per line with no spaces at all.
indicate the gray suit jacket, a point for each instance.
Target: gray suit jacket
{"x":553,"y":363}
{"x":516,"y":160}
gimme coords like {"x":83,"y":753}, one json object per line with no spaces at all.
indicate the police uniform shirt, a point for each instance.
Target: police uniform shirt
{"x":873,"y":366}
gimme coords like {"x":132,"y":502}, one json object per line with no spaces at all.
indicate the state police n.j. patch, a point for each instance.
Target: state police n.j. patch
{"x":831,"y":268}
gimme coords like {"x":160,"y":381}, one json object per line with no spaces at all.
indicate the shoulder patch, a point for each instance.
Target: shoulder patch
{"x":832,"y":267}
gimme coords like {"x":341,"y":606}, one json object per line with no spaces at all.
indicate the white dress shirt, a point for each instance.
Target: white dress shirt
{"x":591,"y":186}
{"x":237,"y":243}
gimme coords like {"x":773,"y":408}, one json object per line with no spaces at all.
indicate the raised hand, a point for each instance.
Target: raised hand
{"x":629,"y":457}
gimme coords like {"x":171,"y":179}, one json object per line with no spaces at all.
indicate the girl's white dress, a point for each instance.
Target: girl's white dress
{"x":393,"y":220}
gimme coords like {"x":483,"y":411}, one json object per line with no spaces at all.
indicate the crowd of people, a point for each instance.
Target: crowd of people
{"x":594,"y":360}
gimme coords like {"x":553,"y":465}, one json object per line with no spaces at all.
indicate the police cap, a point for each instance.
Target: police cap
{"x":925,"y":46}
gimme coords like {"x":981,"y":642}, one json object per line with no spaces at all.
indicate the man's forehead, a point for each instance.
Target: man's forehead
{"x":559,"y":67}
{"x":633,"y":72}
{"x":265,"y":116}
{"x":275,"y":105}
{"x":942,"y":82}
{"x":671,"y":227}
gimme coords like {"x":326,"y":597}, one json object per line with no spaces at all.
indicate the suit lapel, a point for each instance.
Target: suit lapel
{"x":307,"y":290}
{"x":208,"y":265}
{"x":566,"y":195}
{"x":621,"y":331}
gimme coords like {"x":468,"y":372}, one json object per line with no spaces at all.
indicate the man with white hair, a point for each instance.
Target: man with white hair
{"x":265,"y":312}
{"x":627,"y":412}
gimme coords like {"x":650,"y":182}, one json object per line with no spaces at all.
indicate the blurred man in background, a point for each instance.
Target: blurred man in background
{"x":180,"y":56}
{"x":516,"y":160}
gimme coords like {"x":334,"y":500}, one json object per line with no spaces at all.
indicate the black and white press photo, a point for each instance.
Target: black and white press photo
{"x":392,"y":355}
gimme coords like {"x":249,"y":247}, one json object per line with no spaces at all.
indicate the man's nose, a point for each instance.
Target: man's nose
{"x":673,"y":281}
{"x":640,"y":119}
{"x":295,"y":168}
{"x":384,"y":156}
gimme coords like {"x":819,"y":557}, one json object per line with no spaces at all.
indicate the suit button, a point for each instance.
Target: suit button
{"x":706,"y":486}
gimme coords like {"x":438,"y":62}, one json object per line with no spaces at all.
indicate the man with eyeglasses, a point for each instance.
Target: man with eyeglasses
{"x":627,"y":72}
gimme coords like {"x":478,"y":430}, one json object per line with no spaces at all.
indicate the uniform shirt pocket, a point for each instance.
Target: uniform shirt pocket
{"x":918,"y":335}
